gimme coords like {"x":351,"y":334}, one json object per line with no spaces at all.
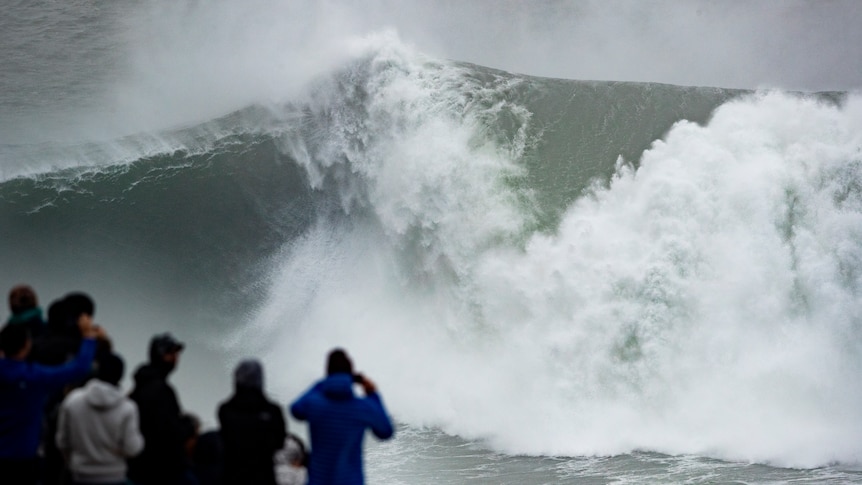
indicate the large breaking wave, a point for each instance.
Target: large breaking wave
{"x":499,"y":252}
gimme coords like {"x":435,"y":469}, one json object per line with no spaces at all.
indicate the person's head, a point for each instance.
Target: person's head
{"x":165,"y":349}
{"x":64,"y":315}
{"x":21,"y":299}
{"x":248,"y":375}
{"x":15,"y":341}
{"x":57,"y":315}
{"x":338,"y":362}
{"x":110,"y":369}
{"x":78,"y":304}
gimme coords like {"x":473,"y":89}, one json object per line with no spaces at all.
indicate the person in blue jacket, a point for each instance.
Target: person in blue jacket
{"x":24,"y":390}
{"x":337,"y":421}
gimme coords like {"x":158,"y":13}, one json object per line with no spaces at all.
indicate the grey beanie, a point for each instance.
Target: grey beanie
{"x":249,"y":374}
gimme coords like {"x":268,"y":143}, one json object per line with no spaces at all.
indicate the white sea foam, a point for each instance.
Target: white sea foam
{"x":707,"y":302}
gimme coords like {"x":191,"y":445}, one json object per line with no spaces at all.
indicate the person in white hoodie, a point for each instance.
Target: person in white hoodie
{"x":98,"y":427}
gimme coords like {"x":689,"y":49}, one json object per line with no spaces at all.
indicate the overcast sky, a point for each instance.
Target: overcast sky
{"x":140,"y":64}
{"x":793,"y":44}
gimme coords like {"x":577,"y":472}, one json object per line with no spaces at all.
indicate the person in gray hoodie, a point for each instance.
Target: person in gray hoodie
{"x":98,"y":427}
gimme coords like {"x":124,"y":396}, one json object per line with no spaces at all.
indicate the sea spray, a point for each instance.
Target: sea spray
{"x":705,"y":302}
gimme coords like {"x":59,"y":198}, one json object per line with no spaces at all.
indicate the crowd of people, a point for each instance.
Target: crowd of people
{"x":64,"y":418}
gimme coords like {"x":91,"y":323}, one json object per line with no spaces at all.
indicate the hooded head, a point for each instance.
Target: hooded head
{"x":110,"y":369}
{"x":248,"y":375}
{"x":338,"y":362}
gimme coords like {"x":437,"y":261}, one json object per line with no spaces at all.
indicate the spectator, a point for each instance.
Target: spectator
{"x":24,"y":390}
{"x":337,"y":422}
{"x":252,"y":429}
{"x":98,"y":427}
{"x":290,"y":462}
{"x":25,"y":309}
{"x":163,"y":460}
{"x":207,"y":458}
{"x":58,"y":344}
{"x":190,"y":427}
{"x":62,"y":336}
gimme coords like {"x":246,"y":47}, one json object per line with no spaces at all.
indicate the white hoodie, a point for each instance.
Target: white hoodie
{"x":97,"y":430}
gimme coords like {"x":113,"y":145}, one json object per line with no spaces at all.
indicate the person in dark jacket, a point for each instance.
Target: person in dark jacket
{"x":252,"y":429}
{"x":57,"y":345}
{"x":163,"y":460}
{"x":24,"y":390}
{"x":208,"y":458}
{"x":337,"y":421}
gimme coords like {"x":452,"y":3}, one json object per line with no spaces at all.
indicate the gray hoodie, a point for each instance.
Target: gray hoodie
{"x":97,"y":430}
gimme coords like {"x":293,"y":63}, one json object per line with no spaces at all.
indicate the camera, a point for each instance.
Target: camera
{"x":357,"y":378}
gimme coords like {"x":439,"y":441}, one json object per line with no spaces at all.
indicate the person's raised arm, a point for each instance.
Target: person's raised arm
{"x":79,"y":367}
{"x":380,"y":423}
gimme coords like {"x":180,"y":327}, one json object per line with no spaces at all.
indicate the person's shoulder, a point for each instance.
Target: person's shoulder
{"x":225,"y":406}
{"x":74,"y":397}
{"x":11,"y":368}
{"x":128,"y":405}
{"x":275,"y":409}
{"x":272,"y":403}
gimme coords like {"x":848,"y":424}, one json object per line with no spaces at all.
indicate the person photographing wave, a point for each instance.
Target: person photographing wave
{"x":337,"y":420}
{"x":25,"y":388}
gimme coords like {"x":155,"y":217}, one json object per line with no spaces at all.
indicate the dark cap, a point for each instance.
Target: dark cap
{"x":163,"y":344}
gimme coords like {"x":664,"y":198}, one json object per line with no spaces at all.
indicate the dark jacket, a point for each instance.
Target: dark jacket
{"x":252,"y":430}
{"x":24,"y":391}
{"x":337,"y":422}
{"x":163,"y":458}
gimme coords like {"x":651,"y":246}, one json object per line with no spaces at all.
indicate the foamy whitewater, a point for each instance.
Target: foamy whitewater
{"x":551,"y":281}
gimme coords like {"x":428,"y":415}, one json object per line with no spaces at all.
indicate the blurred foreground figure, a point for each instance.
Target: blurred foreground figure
{"x":337,"y":421}
{"x":24,"y":391}
{"x":252,"y":429}
{"x":163,"y":461}
{"x":290,"y":463}
{"x":98,"y":427}
{"x":25,"y":309}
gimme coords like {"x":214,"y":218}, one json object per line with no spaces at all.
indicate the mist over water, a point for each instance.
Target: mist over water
{"x":705,"y":302}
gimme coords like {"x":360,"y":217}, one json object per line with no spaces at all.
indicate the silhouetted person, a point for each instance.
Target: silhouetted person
{"x":208,"y":458}
{"x":62,"y":336}
{"x":252,"y":429}
{"x":98,"y":427}
{"x":190,"y":428}
{"x":163,"y":460}
{"x":58,"y":344}
{"x":24,"y":390}
{"x":337,"y":421}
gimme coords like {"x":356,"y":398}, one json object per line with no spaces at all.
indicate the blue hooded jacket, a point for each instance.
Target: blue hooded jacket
{"x":24,"y":390}
{"x":337,"y":421}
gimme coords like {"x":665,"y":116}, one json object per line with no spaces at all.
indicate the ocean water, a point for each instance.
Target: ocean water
{"x":550,"y":280}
